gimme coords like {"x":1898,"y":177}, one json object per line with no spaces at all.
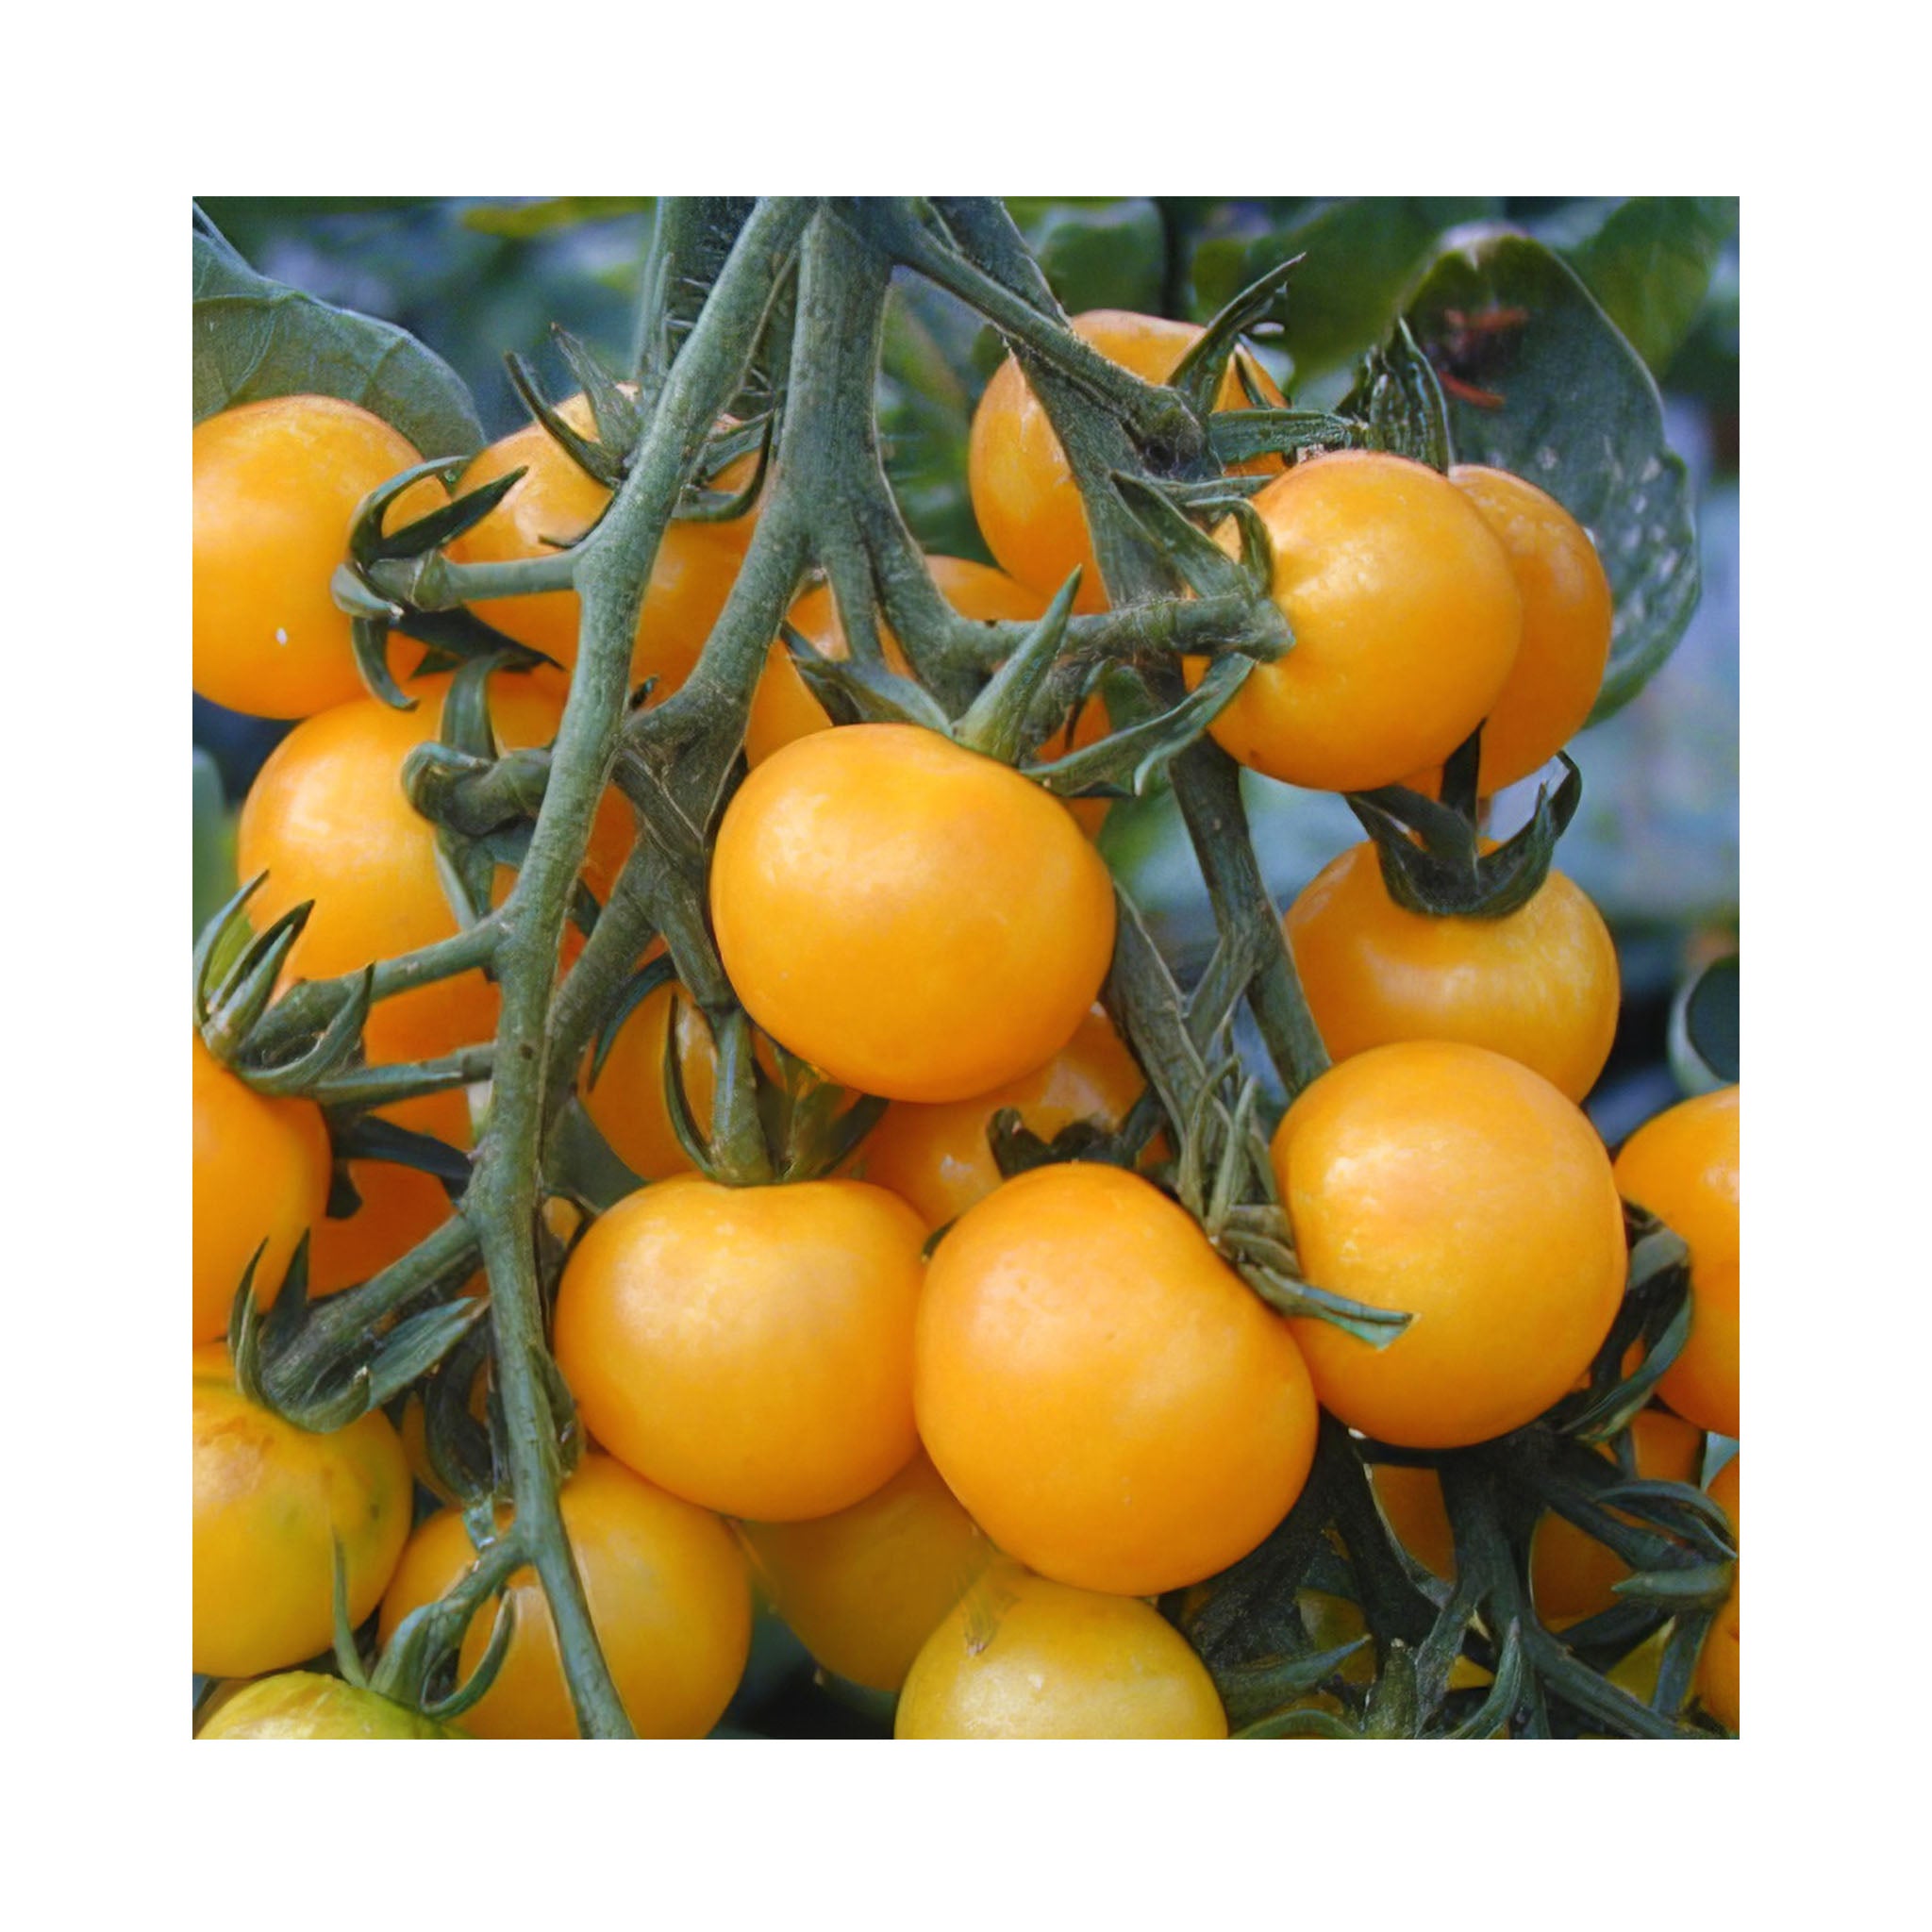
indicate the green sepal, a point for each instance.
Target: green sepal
{"x":457,"y":1444}
{"x":1125,"y":763}
{"x":330,"y":1051}
{"x":1701,"y":1586}
{"x":699,"y":505}
{"x":1288,"y":1295}
{"x":1399,"y":402}
{"x":856,"y":693}
{"x":616,"y":413}
{"x":348,"y":1655}
{"x":1655,"y":1311}
{"x":354,"y":597}
{"x":1199,"y":563}
{"x":1299,"y":1724}
{"x":1676,"y":1508}
{"x":360,"y":1136}
{"x":1494,"y":1713}
{"x":502,"y":1628}
{"x":460,"y":636}
{"x":473,"y":797}
{"x":1201,"y":497}
{"x":1199,"y":374}
{"x":597,"y":461}
{"x":1017,"y":1149}
{"x":823,"y":1129}
{"x":678,"y":1110}
{"x":997,"y":723}
{"x":642,"y":984}
{"x":243,"y":967}
{"x":1677,"y":1668}
{"x":1237,"y":436}
{"x":1252,"y":1692}
{"x":368,"y":645}
{"x":369,"y":544}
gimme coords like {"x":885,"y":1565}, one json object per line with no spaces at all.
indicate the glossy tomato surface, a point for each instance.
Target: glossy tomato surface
{"x":305,"y":1705}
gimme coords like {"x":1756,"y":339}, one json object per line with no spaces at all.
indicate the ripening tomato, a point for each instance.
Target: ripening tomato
{"x":1410,"y":1497}
{"x":553,"y":505}
{"x":1567,"y":611}
{"x":1021,"y":1656}
{"x":1539,"y":985}
{"x":864,"y":1587}
{"x":938,"y":1157}
{"x":626,"y":1099}
{"x":1112,"y":1402}
{"x":1451,"y":1183}
{"x":749,"y":1348}
{"x":327,"y":820}
{"x":261,"y":1174}
{"x":1683,"y":1167}
{"x":269,"y":1501}
{"x":670,"y":1599}
{"x":277,"y":486}
{"x":1023,"y":487}
{"x":1717,"y":1666}
{"x":304,"y":1704}
{"x":915,"y":919}
{"x":1405,"y":621}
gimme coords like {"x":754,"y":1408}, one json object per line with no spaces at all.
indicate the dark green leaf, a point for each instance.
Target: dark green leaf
{"x":1097,"y":253}
{"x":1650,"y":264}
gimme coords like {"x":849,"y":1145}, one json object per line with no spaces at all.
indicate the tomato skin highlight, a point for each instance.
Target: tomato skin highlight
{"x":1539,"y":985}
{"x":261,"y":1174}
{"x":268,"y":1496}
{"x":1022,"y":1657}
{"x":748,"y":1348}
{"x":669,"y":1600}
{"x":915,"y":919}
{"x":1111,"y":1403}
{"x":277,"y":487}
{"x":1452,"y":1184}
{"x":306,"y":1705}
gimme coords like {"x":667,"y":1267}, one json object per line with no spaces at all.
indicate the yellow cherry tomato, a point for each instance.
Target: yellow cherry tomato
{"x":1717,"y":1666}
{"x":261,"y":1174}
{"x":913,"y":919}
{"x":269,"y":1498}
{"x":1450,"y":1183}
{"x":864,"y":1587}
{"x":1683,"y":1167}
{"x":938,"y":1157}
{"x":1023,"y":487}
{"x":1538,"y":984}
{"x":626,"y":1099}
{"x":1112,"y":1402}
{"x":304,"y":1704}
{"x":749,"y":1348}
{"x":277,"y":486}
{"x":1411,"y":1502}
{"x":1021,"y":1656}
{"x":669,"y":1600}
{"x":1405,"y":621}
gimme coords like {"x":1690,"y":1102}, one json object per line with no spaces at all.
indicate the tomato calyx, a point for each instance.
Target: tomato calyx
{"x":1397,"y":399}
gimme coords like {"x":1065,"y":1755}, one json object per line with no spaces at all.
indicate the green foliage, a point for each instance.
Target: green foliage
{"x":521,"y":221}
{"x":1650,"y":261}
{"x":213,"y":842}
{"x":1097,"y":253}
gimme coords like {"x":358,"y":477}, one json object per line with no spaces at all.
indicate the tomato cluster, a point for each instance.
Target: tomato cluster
{"x":960,"y":1428}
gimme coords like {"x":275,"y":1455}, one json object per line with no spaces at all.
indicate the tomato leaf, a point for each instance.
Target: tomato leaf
{"x":256,"y":338}
{"x":1540,"y":382}
{"x":1650,"y":263}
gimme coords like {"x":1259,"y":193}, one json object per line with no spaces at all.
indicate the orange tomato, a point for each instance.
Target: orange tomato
{"x":911,"y":918}
{"x":669,"y":1600}
{"x":1021,"y":1656}
{"x":748,"y":1348}
{"x":938,"y":1157}
{"x":1683,"y":1167}
{"x":1110,"y":1402}
{"x":1539,"y":985}
{"x":626,"y":1099}
{"x":1455,"y":1185}
{"x":1717,"y":1667}
{"x":1406,"y":617}
{"x":277,"y":486}
{"x":1412,"y":1507}
{"x":864,"y":1587}
{"x":261,"y":1174}
{"x":1022,"y":487}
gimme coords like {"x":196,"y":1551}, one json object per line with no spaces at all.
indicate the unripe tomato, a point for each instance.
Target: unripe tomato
{"x":864,"y":1587}
{"x":627,"y":1100}
{"x":1023,"y":487}
{"x":554,"y":505}
{"x":1683,"y":1167}
{"x":1110,"y":1402}
{"x":327,"y":820}
{"x":1405,"y":620}
{"x":669,"y":1600}
{"x":1567,"y":611}
{"x":261,"y":1174}
{"x":277,"y":485}
{"x":1538,"y":984}
{"x":913,"y":919}
{"x":1717,"y":1665}
{"x":1021,"y":1656}
{"x":1451,"y":1183}
{"x":401,"y":1206}
{"x":749,"y":1348}
{"x":268,"y":1499}
{"x":938,"y":1157}
{"x":304,"y":1704}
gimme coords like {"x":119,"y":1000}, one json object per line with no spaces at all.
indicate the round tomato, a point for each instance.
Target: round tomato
{"x":261,"y":1174}
{"x":864,"y":1587}
{"x":1023,"y":487}
{"x":1021,"y":1656}
{"x":1110,"y":1402}
{"x":1405,"y":620}
{"x":277,"y":486}
{"x":749,"y":1348}
{"x":327,"y":820}
{"x":938,"y":1157}
{"x":552,"y":506}
{"x":304,"y":1704}
{"x":1683,"y":1167}
{"x":1717,"y":1667}
{"x":1455,"y":1185}
{"x":1567,"y":609}
{"x":269,"y":1500}
{"x":915,"y":919}
{"x":669,"y":1600}
{"x":626,"y":1099}
{"x":1539,"y":985}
